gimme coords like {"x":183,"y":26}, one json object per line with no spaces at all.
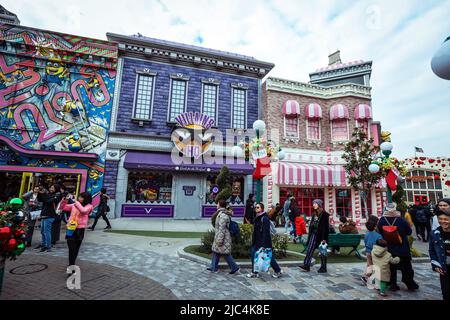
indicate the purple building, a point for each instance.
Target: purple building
{"x":175,"y":105}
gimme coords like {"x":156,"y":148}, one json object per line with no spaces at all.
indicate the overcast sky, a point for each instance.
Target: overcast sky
{"x":399,"y":36}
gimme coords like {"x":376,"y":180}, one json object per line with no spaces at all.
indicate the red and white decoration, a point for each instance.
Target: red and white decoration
{"x":339,"y":111}
{"x":269,"y":190}
{"x":291,"y":107}
{"x":313,"y":111}
{"x":363,"y":112}
{"x":391,"y":178}
{"x":330,"y":204}
{"x":358,"y":209}
{"x":296,"y":174}
{"x":379,"y":203}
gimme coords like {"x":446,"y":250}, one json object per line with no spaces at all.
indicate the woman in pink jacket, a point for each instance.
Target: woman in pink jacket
{"x":80,"y":211}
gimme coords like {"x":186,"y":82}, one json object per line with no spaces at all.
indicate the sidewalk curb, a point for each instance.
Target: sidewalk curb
{"x":223,"y":265}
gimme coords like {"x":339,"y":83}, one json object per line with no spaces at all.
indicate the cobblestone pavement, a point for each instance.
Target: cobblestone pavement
{"x":190,"y":280}
{"x":39,"y":276}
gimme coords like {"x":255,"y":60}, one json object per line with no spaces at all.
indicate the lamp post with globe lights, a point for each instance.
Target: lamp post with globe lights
{"x":388,"y":167}
{"x":440,"y":63}
{"x":262,"y":152}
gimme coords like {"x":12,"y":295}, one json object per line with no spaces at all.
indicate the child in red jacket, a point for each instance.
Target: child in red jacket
{"x":300,"y":228}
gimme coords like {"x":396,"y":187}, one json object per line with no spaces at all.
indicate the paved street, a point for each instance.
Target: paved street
{"x":189,"y":280}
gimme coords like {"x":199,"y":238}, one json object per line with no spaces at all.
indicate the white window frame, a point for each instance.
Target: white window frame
{"x":210,"y":83}
{"x":178,"y":77}
{"x":145,"y":73}
{"x":245,"y":89}
{"x":298,"y":127}
{"x":307,"y":131}
{"x":332,"y":131}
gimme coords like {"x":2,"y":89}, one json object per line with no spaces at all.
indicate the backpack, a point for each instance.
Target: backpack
{"x":421,"y":216}
{"x":390,"y":233}
{"x":234,"y":228}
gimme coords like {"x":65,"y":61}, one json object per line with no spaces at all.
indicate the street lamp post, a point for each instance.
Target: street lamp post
{"x":259,"y":126}
{"x":260,"y":150}
{"x":386,"y":149}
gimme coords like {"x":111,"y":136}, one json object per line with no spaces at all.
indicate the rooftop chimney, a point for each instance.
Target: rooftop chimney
{"x":334,"y":58}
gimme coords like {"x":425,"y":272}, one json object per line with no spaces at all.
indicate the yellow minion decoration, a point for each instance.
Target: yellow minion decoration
{"x":94,"y":86}
{"x":55,"y":71}
{"x":71,"y":107}
{"x":385,"y":136}
{"x":74,"y":142}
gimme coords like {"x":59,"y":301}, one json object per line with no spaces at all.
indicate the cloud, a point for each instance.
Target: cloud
{"x":399,"y":36}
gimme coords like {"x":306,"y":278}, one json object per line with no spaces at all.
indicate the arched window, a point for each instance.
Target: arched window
{"x":291,"y":111}
{"x":339,"y":122}
{"x":363,"y":114}
{"x":313,"y":113}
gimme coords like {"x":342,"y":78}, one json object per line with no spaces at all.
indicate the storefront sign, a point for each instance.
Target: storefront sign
{"x":150,"y":211}
{"x":189,"y":190}
{"x":208,"y":211}
{"x":195,"y":120}
{"x":191,"y":139}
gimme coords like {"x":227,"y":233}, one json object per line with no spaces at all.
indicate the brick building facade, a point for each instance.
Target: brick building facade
{"x":312,"y":123}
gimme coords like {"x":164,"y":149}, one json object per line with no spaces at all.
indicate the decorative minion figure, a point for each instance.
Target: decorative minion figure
{"x":74,"y":142}
{"x":94,"y":86}
{"x":71,"y":107}
{"x":385,"y":136}
{"x":56,"y":71}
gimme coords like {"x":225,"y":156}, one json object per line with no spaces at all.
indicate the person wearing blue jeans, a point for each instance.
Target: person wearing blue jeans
{"x":46,"y":231}
{"x":222,"y":239}
{"x":228,"y":258}
{"x":262,"y":239}
{"x":50,"y":200}
{"x":286,"y":209}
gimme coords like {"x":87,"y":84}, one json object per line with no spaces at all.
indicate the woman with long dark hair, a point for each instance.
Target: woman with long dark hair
{"x":319,"y":229}
{"x":262,"y":239}
{"x":79,"y":212}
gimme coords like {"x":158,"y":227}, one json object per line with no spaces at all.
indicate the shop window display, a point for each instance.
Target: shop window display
{"x":149,"y":187}
{"x":344,"y":203}
{"x":303,"y":197}
{"x":237,"y":189}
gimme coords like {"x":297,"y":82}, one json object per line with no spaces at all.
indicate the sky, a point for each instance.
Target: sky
{"x":399,"y":36}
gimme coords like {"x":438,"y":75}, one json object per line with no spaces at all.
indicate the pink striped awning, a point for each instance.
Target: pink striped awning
{"x":290,"y":173}
{"x":363,"y":112}
{"x":313,"y":111}
{"x":291,"y":107}
{"x":339,"y":111}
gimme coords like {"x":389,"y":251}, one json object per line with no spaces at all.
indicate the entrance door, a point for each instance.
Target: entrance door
{"x":188,"y":201}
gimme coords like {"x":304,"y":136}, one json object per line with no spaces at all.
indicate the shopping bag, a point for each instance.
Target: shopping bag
{"x":262,"y":260}
{"x":35,"y":214}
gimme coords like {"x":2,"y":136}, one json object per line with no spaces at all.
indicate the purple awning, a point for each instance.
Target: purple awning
{"x":163,"y":161}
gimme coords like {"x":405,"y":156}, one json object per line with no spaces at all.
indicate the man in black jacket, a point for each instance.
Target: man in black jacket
{"x":262,"y":239}
{"x":319,"y":229}
{"x":49,"y":201}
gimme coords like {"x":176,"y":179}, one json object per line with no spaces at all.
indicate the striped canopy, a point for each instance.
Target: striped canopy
{"x":291,"y":107}
{"x":363,"y":112}
{"x":339,"y":111}
{"x":313,"y":111}
{"x":290,"y":173}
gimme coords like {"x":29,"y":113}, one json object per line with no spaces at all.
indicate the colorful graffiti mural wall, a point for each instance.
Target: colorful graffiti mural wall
{"x":56,"y":94}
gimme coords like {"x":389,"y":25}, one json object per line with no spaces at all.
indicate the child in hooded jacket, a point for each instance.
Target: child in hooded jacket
{"x":300,"y":228}
{"x":382,"y":260}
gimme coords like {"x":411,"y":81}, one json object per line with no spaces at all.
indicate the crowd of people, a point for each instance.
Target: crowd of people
{"x":47,"y":208}
{"x":387,"y":240}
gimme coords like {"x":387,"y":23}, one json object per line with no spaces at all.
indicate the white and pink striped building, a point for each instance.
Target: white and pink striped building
{"x":313,"y":123}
